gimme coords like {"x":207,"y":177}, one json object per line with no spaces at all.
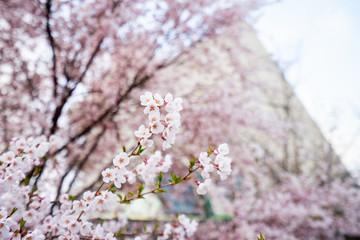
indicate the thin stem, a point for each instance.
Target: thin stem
{"x":134,"y":150}
{"x":97,"y":191}
{"x":162,"y":186}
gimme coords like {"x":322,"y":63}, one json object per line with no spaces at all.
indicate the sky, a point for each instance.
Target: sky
{"x":317,"y":45}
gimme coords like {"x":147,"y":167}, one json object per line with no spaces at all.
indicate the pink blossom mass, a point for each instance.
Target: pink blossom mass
{"x":129,"y":119}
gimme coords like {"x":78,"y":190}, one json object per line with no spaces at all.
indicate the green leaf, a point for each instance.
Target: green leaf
{"x":121,"y":198}
{"x":192,"y":162}
{"x":140,"y":150}
{"x":173,"y":177}
{"x":124,"y":148}
{"x":118,"y":234}
{"x":131,"y":193}
{"x":72,"y":198}
{"x":339,"y":212}
{"x":317,"y":218}
{"x":160,"y":178}
{"x":261,"y":237}
{"x":22,"y":223}
{"x":178,"y":180}
{"x":161,"y":190}
{"x":12,"y":212}
{"x":37,"y":171}
{"x":26,"y":181}
{"x":111,"y":189}
{"x":140,"y":189}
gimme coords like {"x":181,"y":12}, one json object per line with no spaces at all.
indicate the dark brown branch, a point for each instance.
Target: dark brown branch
{"x":91,"y":59}
{"x":66,"y":96}
{"x":109,"y":112}
{"x":52,"y":45}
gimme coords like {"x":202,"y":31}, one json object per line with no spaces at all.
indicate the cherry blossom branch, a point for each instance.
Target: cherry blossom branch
{"x":96,"y":193}
{"x":132,"y":153}
{"x":155,"y":190}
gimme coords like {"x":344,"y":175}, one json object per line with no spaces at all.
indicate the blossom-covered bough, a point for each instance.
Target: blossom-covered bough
{"x":70,"y":70}
{"x":27,"y":210}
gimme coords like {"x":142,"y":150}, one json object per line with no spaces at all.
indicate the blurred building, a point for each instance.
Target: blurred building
{"x":281,"y":131}
{"x":238,"y":59}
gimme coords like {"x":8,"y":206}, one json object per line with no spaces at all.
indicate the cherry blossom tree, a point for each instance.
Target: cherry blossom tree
{"x":69,"y":67}
{"x":71,"y":74}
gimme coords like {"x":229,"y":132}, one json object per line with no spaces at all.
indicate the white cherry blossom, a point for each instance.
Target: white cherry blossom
{"x":143,"y":132}
{"x":159,"y":101}
{"x":146,"y":98}
{"x":108,"y":175}
{"x":223,"y":149}
{"x":121,"y":160}
{"x":151,"y":107}
{"x":204,"y":187}
{"x":156,"y":127}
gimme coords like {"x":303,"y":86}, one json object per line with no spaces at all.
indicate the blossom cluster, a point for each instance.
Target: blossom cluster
{"x":34,"y":214}
{"x":119,"y":174}
{"x":222,"y":164}
{"x":65,"y":223}
{"x":72,"y":220}
{"x":21,"y":156}
{"x":153,"y":166}
{"x":29,"y":205}
{"x":168,"y":127}
{"x":184,"y":228}
{"x":148,"y":169}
